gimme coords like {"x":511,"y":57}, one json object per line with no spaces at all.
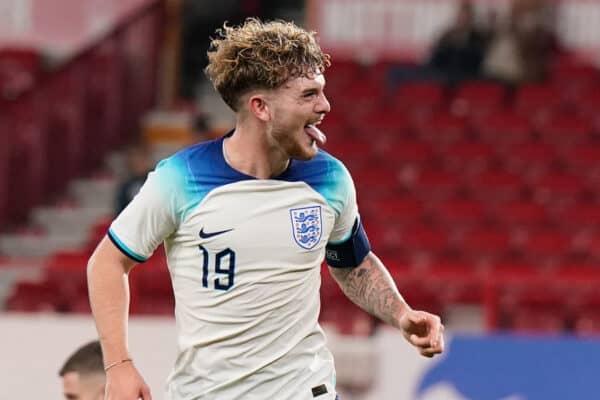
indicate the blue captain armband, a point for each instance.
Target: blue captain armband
{"x":351,"y":252}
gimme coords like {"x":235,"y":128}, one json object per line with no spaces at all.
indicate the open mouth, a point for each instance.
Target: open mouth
{"x":315,"y":133}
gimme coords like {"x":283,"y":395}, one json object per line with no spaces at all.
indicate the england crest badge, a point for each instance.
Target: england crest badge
{"x":307,"y":226}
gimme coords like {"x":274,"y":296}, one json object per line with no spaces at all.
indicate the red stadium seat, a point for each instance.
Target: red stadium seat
{"x":336,"y":127}
{"x":581,"y":274}
{"x":530,"y":159}
{"x":435,"y":184}
{"x":586,"y":309}
{"x":546,"y":245}
{"x":66,"y":125}
{"x":329,"y":290}
{"x":153,"y":277}
{"x":377,"y":181}
{"x":485,"y":244}
{"x":476,"y":99}
{"x":455,"y":281}
{"x":350,"y":149}
{"x":5,"y":155}
{"x":537,"y":101}
{"x":32,"y":297}
{"x":587,"y":323}
{"x":340,"y":74}
{"x":406,"y":153}
{"x":581,"y":215}
{"x":385,"y":238}
{"x":338,"y":311}
{"x":572,"y":75}
{"x":514,"y":272}
{"x":22,"y":58}
{"x":505,"y":128}
{"x":593,"y":244}
{"x":533,"y":308}
{"x":496,"y":186}
{"x":13,"y":83}
{"x":101,"y":105}
{"x":535,"y":321}
{"x":520,"y":214}
{"x":565,"y":130}
{"x":346,"y":318}
{"x":588,"y":103}
{"x":420,"y":240}
{"x":155,"y":305}
{"x":27,"y":161}
{"x":356,"y":153}
{"x":468,"y":157}
{"x":582,"y":161}
{"x":382,"y":126}
{"x":153,"y":291}
{"x":399,"y":269}
{"x":419,"y":99}
{"x":66,"y":271}
{"x":20,"y":69}
{"x":459,"y":212}
{"x":98,"y":231}
{"x":360,"y":97}
{"x":396,"y":210}
{"x":557,"y":189}
{"x":421,"y":296}
{"x":441,"y":129}
{"x":379,"y":71}
{"x":80,"y":305}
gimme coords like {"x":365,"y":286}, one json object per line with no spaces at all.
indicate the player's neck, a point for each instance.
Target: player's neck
{"x":249,"y":152}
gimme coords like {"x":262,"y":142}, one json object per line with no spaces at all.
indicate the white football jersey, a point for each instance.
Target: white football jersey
{"x":244,"y":256}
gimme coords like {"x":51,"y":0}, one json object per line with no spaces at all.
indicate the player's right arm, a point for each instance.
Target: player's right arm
{"x":108,"y":286}
{"x":133,"y":237}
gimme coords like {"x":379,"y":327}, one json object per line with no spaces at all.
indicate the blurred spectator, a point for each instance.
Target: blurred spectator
{"x":200,"y":19}
{"x":201,"y":129}
{"x":273,"y":9}
{"x":83,"y":376}
{"x":138,"y":164}
{"x":522,"y":49}
{"x":459,"y":52}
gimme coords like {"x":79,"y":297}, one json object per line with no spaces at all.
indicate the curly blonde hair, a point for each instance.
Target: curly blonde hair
{"x":261,"y":55}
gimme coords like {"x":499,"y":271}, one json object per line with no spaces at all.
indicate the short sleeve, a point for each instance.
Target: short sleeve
{"x":151,"y":216}
{"x":346,"y":207}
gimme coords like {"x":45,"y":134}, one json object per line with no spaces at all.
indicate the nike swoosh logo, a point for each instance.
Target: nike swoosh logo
{"x":206,"y":235}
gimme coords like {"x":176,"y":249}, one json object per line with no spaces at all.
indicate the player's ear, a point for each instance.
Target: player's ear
{"x":259,"y":106}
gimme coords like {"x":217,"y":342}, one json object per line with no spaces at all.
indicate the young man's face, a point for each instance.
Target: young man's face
{"x":78,"y":387}
{"x":298,"y":103}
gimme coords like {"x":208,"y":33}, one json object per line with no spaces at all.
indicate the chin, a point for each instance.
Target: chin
{"x":299,"y":146}
{"x":306,"y":152}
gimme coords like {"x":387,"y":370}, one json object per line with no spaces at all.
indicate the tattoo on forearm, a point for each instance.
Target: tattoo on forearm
{"x":371,"y":287}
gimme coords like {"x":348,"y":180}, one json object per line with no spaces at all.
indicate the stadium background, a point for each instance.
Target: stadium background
{"x":480,"y":196}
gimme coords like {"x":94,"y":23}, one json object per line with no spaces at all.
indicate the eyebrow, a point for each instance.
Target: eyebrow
{"x":310,"y":91}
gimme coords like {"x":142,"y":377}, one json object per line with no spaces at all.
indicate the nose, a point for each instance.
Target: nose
{"x":323,"y":106}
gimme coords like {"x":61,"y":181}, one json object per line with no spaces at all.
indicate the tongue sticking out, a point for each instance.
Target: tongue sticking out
{"x":316,"y":134}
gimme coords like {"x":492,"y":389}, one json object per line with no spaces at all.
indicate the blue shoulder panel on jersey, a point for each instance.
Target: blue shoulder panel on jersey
{"x":350,"y":253}
{"x":124,"y":249}
{"x":325,"y":174}
{"x":195,"y":171}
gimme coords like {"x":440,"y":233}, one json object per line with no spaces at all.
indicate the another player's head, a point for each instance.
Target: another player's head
{"x":83,"y":375}
{"x":271,"y":74}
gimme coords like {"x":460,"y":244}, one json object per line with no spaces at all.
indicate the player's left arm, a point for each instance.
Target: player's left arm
{"x":370,"y":286}
{"x":363,"y":277}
